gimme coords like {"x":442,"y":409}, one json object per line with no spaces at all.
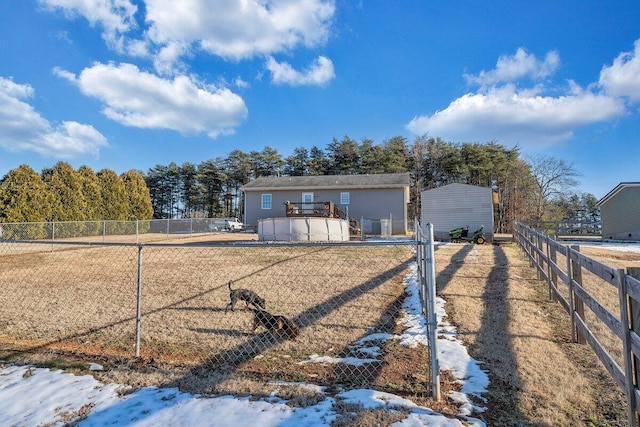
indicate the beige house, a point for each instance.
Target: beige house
{"x":620,"y":212}
{"x":377,"y":199}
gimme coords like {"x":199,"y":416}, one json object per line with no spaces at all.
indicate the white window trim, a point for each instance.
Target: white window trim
{"x":343,"y":196}
{"x":262,"y":201}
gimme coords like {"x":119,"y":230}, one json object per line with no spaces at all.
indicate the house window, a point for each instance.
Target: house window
{"x":344,"y":198}
{"x":266,"y":201}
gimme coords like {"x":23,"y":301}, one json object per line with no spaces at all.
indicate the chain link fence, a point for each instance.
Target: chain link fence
{"x":338,"y":307}
{"x":134,"y":231}
{"x":137,"y":231}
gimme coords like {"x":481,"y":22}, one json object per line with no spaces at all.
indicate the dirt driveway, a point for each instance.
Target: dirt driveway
{"x":504,"y":316}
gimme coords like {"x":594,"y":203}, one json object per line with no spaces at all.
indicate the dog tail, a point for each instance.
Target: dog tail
{"x":229,"y":284}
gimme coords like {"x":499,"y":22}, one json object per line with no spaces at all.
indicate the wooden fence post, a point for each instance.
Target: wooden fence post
{"x":574,"y":271}
{"x":634,"y":317}
{"x":630,"y":361}
{"x":553,"y":277}
{"x":539,"y":255}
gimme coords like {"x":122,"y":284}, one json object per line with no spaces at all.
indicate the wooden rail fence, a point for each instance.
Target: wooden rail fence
{"x":566,"y":286}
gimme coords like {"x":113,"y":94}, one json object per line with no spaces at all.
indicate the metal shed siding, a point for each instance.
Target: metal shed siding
{"x":621,"y":215}
{"x":458,"y":205}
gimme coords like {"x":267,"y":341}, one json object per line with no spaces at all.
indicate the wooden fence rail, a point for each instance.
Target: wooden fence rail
{"x":567,"y":288}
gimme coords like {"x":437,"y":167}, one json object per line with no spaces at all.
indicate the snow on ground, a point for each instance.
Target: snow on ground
{"x":611,"y":246}
{"x":32,"y":396}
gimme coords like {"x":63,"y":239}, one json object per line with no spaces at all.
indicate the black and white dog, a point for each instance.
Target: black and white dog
{"x":249,"y":297}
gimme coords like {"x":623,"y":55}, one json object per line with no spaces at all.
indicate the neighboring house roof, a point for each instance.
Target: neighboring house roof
{"x":384,"y":180}
{"x":616,"y":190}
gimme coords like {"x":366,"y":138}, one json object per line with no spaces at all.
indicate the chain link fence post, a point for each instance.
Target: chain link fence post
{"x":432,"y":319}
{"x":139,"y":301}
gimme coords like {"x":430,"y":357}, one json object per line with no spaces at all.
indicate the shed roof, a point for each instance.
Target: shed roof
{"x":616,"y":190}
{"x":455,"y":185}
{"x":384,"y":180}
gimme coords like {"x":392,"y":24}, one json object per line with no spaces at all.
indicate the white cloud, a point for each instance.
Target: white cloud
{"x":513,"y":67}
{"x":240,"y":29}
{"x":622,"y":78}
{"x":319,"y":73}
{"x":140,"y":99}
{"x":22,"y":128}
{"x":115,"y":16}
{"x":175,"y":30}
{"x":240,"y":83}
{"x":518,"y":117}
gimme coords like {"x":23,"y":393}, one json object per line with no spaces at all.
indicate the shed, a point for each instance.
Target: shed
{"x":375,"y":198}
{"x":458,"y":205}
{"x":620,"y":212}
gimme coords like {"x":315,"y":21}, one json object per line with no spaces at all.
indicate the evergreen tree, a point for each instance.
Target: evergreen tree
{"x":65,"y":189}
{"x":298,"y":163}
{"x":90,"y":192}
{"x":267,"y":163}
{"x":371,"y":158}
{"x":191,"y":189}
{"x":344,"y":157}
{"x":24,"y":198}
{"x":159,"y":190}
{"x":318,"y":163}
{"x":93,"y":198}
{"x":114,"y":200}
{"x":211,"y":175}
{"x":395,"y":155}
{"x":239,"y":170}
{"x":139,"y":201}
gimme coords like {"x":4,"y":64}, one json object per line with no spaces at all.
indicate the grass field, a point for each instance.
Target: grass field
{"x":55,"y":304}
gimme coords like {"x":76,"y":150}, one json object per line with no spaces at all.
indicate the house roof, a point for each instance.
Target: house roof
{"x":616,"y":190}
{"x":385,"y":180}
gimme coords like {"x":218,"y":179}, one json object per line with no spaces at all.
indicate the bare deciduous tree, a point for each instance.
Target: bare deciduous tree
{"x":553,"y":178}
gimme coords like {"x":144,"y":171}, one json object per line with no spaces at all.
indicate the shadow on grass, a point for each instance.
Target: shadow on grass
{"x":493,"y":341}
{"x":225,"y":363}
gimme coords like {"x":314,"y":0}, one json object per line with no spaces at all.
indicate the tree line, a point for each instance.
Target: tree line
{"x":61,"y":193}
{"x":533,"y":188}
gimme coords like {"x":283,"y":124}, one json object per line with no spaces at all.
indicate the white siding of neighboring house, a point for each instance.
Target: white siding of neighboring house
{"x":458,"y":205}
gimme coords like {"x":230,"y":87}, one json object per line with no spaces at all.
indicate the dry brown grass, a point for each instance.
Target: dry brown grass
{"x":538,"y":377}
{"x":502,"y":311}
{"x":82,"y":301}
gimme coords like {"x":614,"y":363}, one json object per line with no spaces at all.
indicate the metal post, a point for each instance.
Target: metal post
{"x":139,"y":302}
{"x":137,"y":231}
{"x":432,"y":321}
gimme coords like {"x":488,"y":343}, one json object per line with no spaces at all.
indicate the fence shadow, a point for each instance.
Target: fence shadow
{"x":177,"y":305}
{"x":228,"y":360}
{"x":494,"y":338}
{"x":457,"y":260}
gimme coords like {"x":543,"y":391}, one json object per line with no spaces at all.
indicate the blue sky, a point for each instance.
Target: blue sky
{"x":129,"y":84}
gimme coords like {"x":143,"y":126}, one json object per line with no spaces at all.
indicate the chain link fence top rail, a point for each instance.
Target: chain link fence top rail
{"x":344,"y":301}
{"x":152,"y":230}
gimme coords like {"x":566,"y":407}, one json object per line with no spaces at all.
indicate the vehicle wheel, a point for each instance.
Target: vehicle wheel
{"x":480,"y":240}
